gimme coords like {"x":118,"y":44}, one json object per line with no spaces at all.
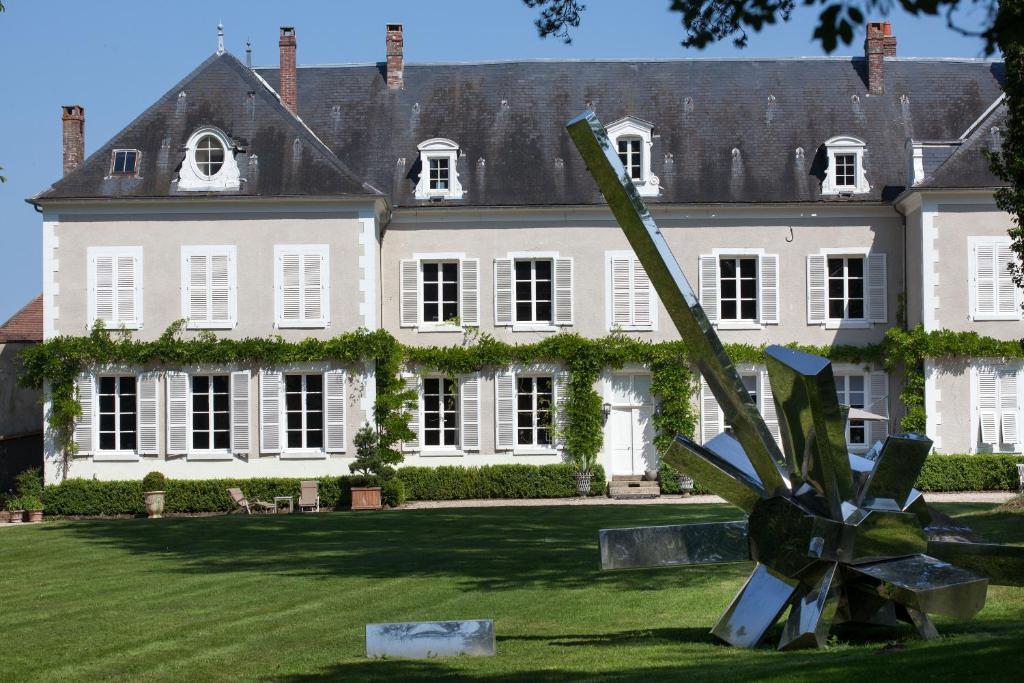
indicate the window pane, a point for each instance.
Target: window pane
{"x":430,"y":314}
{"x":450,"y":311}
{"x":315,"y":439}
{"x":294,"y":420}
{"x":856,"y":309}
{"x":107,"y":441}
{"x":748,"y":310}
{"x":729,"y":310}
{"x":220,"y":421}
{"x":220,"y":402}
{"x":836,"y":309}
{"x":430,"y":271}
{"x":127,"y":423}
{"x":220,"y":383}
{"x":450,"y":437}
{"x":729,"y":289}
{"x":293,"y":383}
{"x":727,"y":268}
{"x":294,"y":439}
{"x":201,"y":440}
{"x":835,"y":267}
{"x":544,"y":291}
{"x":128,"y":441}
{"x":107,"y":404}
{"x":450,"y":291}
{"x":524,"y":312}
{"x":525,"y":437}
{"x":523,"y":270}
{"x":855,"y":267}
{"x":107,"y":385}
{"x":314,"y":401}
{"x":314,"y":421}
{"x":127,"y":385}
{"x":543,"y":270}
{"x":543,"y":311}
{"x":107,"y":422}
{"x":201,"y":421}
{"x":450,"y":271}
{"x":201,"y":402}
{"x":543,"y":385}
{"x":221,"y":440}
{"x":293,"y":401}
{"x":200,"y":384}
{"x":748,"y":289}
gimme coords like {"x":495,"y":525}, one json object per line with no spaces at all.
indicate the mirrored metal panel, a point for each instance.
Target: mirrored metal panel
{"x":755,"y":608}
{"x":673,"y":545}
{"x":423,"y":639}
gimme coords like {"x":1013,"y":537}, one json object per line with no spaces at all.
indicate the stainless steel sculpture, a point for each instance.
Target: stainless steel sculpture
{"x":836,"y":537}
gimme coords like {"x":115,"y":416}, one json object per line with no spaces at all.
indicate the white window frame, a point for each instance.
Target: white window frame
{"x":443,"y":326}
{"x":115,"y":252}
{"x":975,"y":439}
{"x":441,"y":449}
{"x":533,"y":256}
{"x":864,"y":319}
{"x":761,"y":321}
{"x":972,"y":282}
{"x":231,"y":252}
{"x":652,"y":326}
{"x":227,"y":177}
{"x":530,"y":447}
{"x":208,"y":453}
{"x":113,"y":163}
{"x":845,"y":144}
{"x":322,"y":250}
{"x":851,"y":323}
{"x":121,"y":454}
{"x":303,"y":451}
{"x":632,"y":127}
{"x":439,"y":148}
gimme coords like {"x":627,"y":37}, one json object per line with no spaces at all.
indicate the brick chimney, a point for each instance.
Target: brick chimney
{"x":287,"y":86}
{"x":73,"y":118}
{"x":396,"y":59}
{"x":878,"y":44}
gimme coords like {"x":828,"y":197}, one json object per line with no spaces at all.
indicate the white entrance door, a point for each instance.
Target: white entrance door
{"x":631,"y":428}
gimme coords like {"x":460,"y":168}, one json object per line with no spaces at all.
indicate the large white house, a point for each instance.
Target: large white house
{"x":813,"y":200}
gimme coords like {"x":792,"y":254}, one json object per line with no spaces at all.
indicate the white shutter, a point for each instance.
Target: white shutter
{"x":290,"y":288}
{"x":621,"y":294}
{"x":817,"y":310}
{"x":220,"y":288}
{"x":85,"y":429}
{"x":505,"y":411}
{"x":876,"y":286}
{"x":988,"y":406}
{"x":270,"y":411}
{"x":769,"y":279}
{"x":985,"y":280}
{"x":503,"y":291}
{"x":878,"y":402}
{"x":148,"y":384}
{"x":469,"y":397}
{"x":708,"y":286}
{"x":768,"y":411}
{"x":563,"y":291}
{"x":128,"y":300}
{"x":469,"y":299}
{"x":643,"y":296}
{"x":409,"y":292}
{"x":334,"y":411}
{"x":197,"y":287}
{"x":240,"y":384}
{"x":103,"y":288}
{"x":561,"y":398}
{"x":710,"y":414}
{"x":1006,"y":300}
{"x":1009,"y":410}
{"x":177,"y":413}
{"x":414,"y":383}
{"x":313,"y":298}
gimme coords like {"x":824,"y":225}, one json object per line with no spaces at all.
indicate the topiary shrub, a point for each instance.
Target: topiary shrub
{"x":392,"y":493}
{"x":154,"y":481}
{"x":975,"y":472}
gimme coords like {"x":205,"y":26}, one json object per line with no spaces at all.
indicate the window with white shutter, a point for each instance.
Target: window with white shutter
{"x":993,"y":294}
{"x":413,"y":384}
{"x":177,"y":413}
{"x":469,"y":397}
{"x":755,"y":380}
{"x":878,"y":403}
{"x":270,"y":410}
{"x":439,"y":292}
{"x":302,"y":274}
{"x":711,"y":422}
{"x":148,"y":390}
{"x":632,"y":304}
{"x":533,"y":290}
{"x":998,"y":397}
{"x":334,"y":411}
{"x":739,"y":288}
{"x":85,"y":387}
{"x":115,"y":286}
{"x":846,"y":287}
{"x":240,"y":385}
{"x":505,"y":411}
{"x":209,"y":286}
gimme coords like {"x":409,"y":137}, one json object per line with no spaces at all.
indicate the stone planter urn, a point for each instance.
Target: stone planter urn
{"x":583,"y":481}
{"x":155,"y":504}
{"x":685,"y":484}
{"x":651,"y":475}
{"x":33,"y":515}
{"x":16,"y":516}
{"x":366,"y":498}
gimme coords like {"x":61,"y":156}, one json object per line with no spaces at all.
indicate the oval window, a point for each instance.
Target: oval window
{"x":209,"y":156}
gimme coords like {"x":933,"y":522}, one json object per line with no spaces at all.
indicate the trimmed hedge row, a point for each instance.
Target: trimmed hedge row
{"x":979,"y":472}
{"x":91,"y":497}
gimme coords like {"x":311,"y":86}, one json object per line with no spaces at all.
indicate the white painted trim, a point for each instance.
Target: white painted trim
{"x":654,"y":304}
{"x":229,"y":250}
{"x":972,"y":273}
{"x":932,"y":400}
{"x":227,"y":177}
{"x":369,"y":261}
{"x":844,"y":144}
{"x":439,"y":256}
{"x":630,"y":126}
{"x":115,"y":251}
{"x":929,"y":265}
{"x":439,"y":148}
{"x":324,"y":251}
{"x":51,"y":288}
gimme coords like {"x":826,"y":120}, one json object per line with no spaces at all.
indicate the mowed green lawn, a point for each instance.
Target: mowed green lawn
{"x":286,"y":598}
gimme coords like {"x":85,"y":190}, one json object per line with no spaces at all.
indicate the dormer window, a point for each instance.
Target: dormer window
{"x":439,"y":176}
{"x":124,"y":162}
{"x":633,"y":141}
{"x":845,"y":172}
{"x":209,"y":164}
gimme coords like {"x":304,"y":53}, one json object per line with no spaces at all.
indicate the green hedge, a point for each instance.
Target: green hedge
{"x":495,"y":481}
{"x":979,"y":472}
{"x":91,"y":497}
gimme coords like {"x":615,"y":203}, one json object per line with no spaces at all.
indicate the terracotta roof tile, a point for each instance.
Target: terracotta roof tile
{"x":26,"y":325}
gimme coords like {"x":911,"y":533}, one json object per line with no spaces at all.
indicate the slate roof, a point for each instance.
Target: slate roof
{"x":26,"y":325}
{"x":968,"y":166}
{"x":725,"y":131}
{"x":509,"y":117}
{"x":221,"y":92}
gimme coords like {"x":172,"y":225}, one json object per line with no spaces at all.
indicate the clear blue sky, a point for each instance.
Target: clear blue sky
{"x":115,"y":57}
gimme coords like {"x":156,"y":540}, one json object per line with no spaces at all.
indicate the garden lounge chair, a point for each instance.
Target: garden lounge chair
{"x":310,"y":497}
{"x":242,"y":502}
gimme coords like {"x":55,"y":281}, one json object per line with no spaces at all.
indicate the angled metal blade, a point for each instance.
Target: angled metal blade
{"x":683,"y":305}
{"x":1002,"y":564}
{"x":755,"y":608}
{"x":896,"y":469}
{"x":814,"y":608}
{"x":925,"y":628}
{"x":811,"y":423}
{"x":731,"y":451}
{"x":674,"y":545}
{"x":875,"y":535}
{"x":714,"y":472}
{"x":928,"y":585}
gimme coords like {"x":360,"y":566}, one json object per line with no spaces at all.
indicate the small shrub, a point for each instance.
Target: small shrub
{"x":29,"y":482}
{"x":392,"y":493}
{"x":976,"y":472}
{"x":29,"y":502}
{"x":154,"y":481}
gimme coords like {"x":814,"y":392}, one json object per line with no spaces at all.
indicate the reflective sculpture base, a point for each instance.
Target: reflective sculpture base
{"x":836,"y":537}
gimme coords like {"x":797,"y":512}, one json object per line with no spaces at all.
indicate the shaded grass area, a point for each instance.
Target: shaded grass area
{"x":286,"y":598}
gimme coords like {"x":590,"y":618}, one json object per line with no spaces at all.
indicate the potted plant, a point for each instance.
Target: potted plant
{"x":584,"y":463}
{"x":685,"y":484}
{"x":374,"y":463}
{"x":154,"y":485}
{"x":33,"y":508}
{"x":15,"y":510}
